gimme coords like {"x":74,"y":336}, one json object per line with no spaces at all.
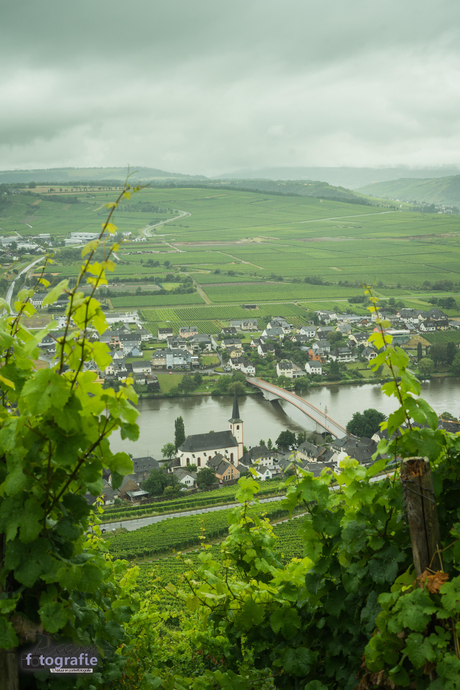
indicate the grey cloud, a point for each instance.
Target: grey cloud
{"x":208,"y":86}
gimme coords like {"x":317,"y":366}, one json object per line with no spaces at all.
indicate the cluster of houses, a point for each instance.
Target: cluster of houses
{"x":224,"y":453}
{"x":182,"y":352}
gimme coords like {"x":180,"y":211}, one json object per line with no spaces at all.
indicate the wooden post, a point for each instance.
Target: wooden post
{"x":9,"y":669}
{"x":422,"y":514}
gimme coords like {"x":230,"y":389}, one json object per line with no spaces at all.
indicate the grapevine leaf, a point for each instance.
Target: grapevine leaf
{"x":55,"y":293}
{"x":8,"y":638}
{"x":298,"y":661}
{"x":53,"y":616}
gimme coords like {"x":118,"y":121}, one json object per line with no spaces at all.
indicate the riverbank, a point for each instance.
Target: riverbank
{"x":313,"y":385}
{"x":263,"y":419}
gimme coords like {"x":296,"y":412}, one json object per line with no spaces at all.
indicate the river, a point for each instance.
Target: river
{"x":264,"y":420}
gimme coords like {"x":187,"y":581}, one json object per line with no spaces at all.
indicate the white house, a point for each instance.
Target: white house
{"x":309,"y":331}
{"x":314,"y":367}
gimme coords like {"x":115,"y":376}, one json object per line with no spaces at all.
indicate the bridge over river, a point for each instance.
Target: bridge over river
{"x":272,"y":392}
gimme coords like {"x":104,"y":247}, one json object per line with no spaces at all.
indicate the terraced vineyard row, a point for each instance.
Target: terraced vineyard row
{"x":180,"y":533}
{"x":210,"y":319}
{"x":201,"y":500}
{"x":169,"y":570}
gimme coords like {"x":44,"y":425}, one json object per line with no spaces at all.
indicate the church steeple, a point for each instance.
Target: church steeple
{"x":236,"y":412}
{"x":235,"y":424}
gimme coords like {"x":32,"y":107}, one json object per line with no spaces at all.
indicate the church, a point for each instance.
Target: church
{"x":198,"y":449}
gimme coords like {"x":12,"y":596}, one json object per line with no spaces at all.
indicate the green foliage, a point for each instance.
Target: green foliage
{"x":54,"y":429}
{"x":426,"y":366}
{"x":179,"y":433}
{"x":181,"y":533}
{"x":334,"y":373}
{"x":456,"y":365}
{"x":306,"y":623}
{"x":366,"y":423}
{"x":159,"y":480}
{"x":205,"y":477}
{"x":168,"y":451}
{"x":286,"y":439}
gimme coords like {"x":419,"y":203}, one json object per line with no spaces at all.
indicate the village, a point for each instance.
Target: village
{"x":294,"y":356}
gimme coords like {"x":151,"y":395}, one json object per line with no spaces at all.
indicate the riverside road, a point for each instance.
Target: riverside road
{"x":132,"y":525}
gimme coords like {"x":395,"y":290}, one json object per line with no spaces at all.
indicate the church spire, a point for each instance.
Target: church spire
{"x":236,"y":411}
{"x":235,"y":424}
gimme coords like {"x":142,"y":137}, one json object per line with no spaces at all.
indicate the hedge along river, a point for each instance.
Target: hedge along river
{"x":263,"y":419}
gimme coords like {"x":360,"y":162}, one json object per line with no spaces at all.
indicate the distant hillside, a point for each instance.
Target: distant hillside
{"x":348,"y":177}
{"x":441,"y":191}
{"x":161,"y":178}
{"x":68,"y":175}
{"x":319,"y":190}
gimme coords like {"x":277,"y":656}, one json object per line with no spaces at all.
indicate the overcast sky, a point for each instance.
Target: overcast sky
{"x":206,"y":86}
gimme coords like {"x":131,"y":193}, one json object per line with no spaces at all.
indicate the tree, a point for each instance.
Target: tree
{"x":334,"y":337}
{"x":179,"y":433}
{"x":301,"y":437}
{"x":54,"y":429}
{"x":197,"y":378}
{"x":451,"y":351}
{"x":286,"y":439}
{"x":455,"y":367}
{"x":334,"y":372}
{"x":236,"y":387}
{"x":438,"y":353}
{"x":168,"y":451}
{"x":419,"y":351}
{"x":269,"y":444}
{"x":157,"y":482}
{"x":426,"y":366}
{"x":187,"y":384}
{"x":205,"y":477}
{"x":261,"y":442}
{"x":365,"y":424}
{"x":302,"y":383}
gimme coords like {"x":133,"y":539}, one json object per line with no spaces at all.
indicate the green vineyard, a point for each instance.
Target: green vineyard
{"x":225,"y":494}
{"x":166,"y":570}
{"x":211,"y":319}
{"x":181,"y":532}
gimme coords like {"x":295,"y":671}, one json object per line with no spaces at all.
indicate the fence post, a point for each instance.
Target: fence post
{"x":9,"y":669}
{"x":422,"y":514}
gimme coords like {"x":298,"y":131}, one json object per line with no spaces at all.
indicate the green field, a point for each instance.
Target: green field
{"x":268,"y":244}
{"x":443,"y":337}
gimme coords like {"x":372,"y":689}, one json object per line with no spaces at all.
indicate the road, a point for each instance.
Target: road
{"x":9,"y":293}
{"x":132,"y":525}
{"x":356,"y":215}
{"x":183,"y":214}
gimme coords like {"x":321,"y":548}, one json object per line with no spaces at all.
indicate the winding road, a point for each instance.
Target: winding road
{"x":9,"y":293}
{"x":183,"y":214}
{"x":132,"y":525}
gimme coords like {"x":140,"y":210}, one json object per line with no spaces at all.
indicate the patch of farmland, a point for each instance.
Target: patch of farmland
{"x":443,"y":337}
{"x":212,"y":278}
{"x":156,"y":300}
{"x":273,"y":291}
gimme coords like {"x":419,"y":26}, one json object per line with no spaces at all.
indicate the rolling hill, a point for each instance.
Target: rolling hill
{"x":351,"y":178}
{"x":72,"y":175}
{"x":440,"y":191}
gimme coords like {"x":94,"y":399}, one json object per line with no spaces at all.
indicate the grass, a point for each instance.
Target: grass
{"x":209,"y":360}
{"x":168,"y":381}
